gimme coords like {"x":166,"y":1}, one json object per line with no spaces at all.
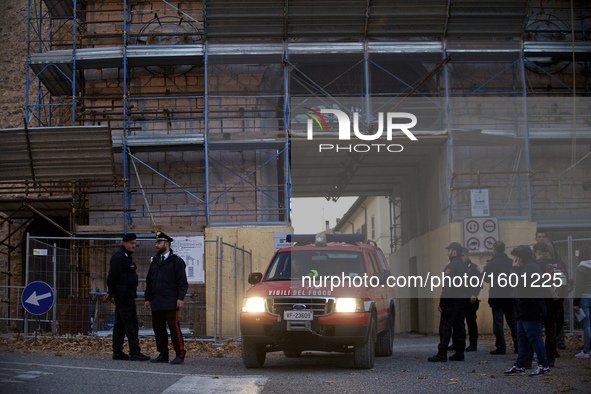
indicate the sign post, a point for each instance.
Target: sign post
{"x":37,"y":298}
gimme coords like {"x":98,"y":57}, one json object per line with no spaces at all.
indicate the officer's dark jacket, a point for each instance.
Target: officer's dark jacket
{"x":474,"y":271}
{"x":499,"y":264}
{"x":450,"y":293}
{"x":529,"y":300}
{"x":166,"y":282}
{"x":122,"y":279}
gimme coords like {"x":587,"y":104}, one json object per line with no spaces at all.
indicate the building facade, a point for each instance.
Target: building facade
{"x":186,"y":117}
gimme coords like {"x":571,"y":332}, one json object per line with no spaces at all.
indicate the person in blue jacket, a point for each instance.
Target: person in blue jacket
{"x":166,"y":287}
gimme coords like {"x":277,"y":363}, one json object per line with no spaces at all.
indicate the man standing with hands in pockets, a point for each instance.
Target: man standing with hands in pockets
{"x":166,"y":286}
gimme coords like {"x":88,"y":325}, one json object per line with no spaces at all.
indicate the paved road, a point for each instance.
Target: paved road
{"x":407,"y":371}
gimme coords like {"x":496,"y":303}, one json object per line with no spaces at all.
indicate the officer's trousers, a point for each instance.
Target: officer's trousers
{"x":126,"y":324}
{"x":452,"y":325}
{"x":159,"y":321}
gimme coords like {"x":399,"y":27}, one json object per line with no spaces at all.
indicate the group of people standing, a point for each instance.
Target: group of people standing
{"x":524,"y":306}
{"x":166,"y":287}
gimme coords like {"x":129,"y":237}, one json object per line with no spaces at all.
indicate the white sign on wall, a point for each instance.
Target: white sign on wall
{"x":480,"y":206}
{"x":191,"y":250}
{"x":280,"y":240}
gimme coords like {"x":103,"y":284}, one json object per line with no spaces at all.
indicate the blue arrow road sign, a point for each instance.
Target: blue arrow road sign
{"x":37,"y":298}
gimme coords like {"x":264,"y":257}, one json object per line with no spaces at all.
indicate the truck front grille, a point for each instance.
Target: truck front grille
{"x":320,"y":306}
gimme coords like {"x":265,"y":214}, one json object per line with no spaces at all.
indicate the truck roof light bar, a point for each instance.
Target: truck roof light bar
{"x":311,"y":238}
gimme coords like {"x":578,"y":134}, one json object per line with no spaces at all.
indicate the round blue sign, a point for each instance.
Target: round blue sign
{"x":37,"y":298}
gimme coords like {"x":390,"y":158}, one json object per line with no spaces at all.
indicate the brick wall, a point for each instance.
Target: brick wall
{"x":13,"y":33}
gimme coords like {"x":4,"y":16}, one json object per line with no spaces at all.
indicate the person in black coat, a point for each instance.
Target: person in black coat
{"x":166,"y":286}
{"x":500,"y":298}
{"x":452,"y":306}
{"x":472,"y":306}
{"x":544,"y":257}
{"x":530,"y":309}
{"x":122,"y":284}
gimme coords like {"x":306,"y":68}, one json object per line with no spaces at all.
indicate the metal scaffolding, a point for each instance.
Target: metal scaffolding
{"x":209,"y":84}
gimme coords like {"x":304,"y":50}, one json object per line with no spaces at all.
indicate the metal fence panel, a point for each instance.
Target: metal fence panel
{"x":567,"y":250}
{"x":76,"y":269}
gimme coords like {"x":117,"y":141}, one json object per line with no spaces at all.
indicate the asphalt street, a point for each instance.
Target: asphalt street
{"x":406,"y":371}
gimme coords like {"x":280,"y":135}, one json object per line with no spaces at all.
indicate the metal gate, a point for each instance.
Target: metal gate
{"x":567,"y":250}
{"x":233,"y":264}
{"x":77,"y":268}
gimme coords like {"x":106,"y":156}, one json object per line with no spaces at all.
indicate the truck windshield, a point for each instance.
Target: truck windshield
{"x":295,"y":264}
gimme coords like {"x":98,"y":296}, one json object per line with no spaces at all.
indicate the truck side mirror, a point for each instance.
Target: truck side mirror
{"x":255,"y":278}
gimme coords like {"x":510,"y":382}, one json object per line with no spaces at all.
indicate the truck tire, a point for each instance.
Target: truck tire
{"x":292,"y":353}
{"x":385,"y":341}
{"x":364,"y":353}
{"x":253,"y":354}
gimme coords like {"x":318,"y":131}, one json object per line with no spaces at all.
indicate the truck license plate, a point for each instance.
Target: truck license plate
{"x":298,"y":315}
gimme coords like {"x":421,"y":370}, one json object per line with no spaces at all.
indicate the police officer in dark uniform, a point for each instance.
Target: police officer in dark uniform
{"x":122,"y":288}
{"x":500,"y":299}
{"x":472,"y":306}
{"x":452,"y":306}
{"x":166,"y":286}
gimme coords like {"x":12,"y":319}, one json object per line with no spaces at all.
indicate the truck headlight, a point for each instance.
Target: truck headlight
{"x":349,"y":305}
{"x":254,"y":304}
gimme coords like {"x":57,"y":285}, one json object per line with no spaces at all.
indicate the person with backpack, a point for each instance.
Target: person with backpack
{"x":582,"y":298}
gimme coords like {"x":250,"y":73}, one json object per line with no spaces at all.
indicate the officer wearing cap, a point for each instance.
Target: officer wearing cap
{"x":122,"y":288}
{"x":166,"y":286}
{"x":452,"y":306}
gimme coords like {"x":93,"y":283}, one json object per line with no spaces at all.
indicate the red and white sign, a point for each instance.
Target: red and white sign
{"x":489,"y":242}
{"x":481,"y":233}
{"x":473,"y":244}
{"x":489,"y":226}
{"x":472,"y":226}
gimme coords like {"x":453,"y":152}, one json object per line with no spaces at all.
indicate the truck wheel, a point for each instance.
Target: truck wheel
{"x":253,"y":354}
{"x":364,"y":353}
{"x":385,"y":340}
{"x":292,"y":353}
